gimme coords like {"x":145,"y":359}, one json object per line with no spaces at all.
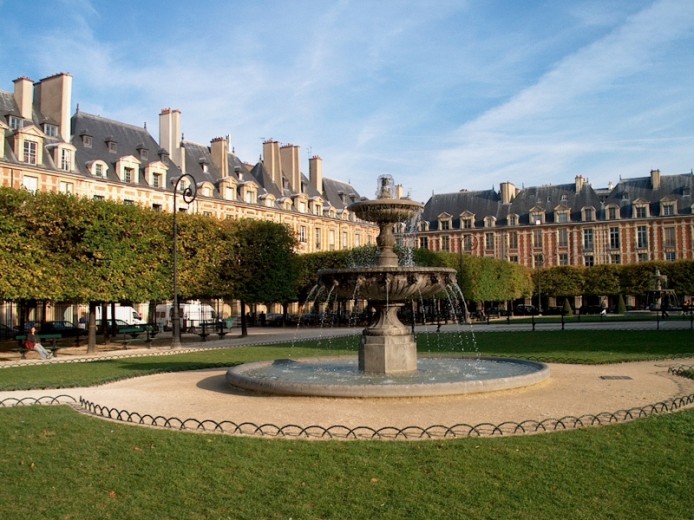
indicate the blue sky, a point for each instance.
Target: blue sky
{"x":442,"y":94}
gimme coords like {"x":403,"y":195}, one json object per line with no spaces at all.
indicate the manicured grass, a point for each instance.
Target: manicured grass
{"x":571,"y":346}
{"x":60,"y":464}
{"x":586,"y":346}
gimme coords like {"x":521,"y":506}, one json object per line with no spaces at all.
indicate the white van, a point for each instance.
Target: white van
{"x":123,"y":312}
{"x":190,"y":313}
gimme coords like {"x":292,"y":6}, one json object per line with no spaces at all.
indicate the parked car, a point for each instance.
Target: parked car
{"x":120,"y":325}
{"x":525,"y":310}
{"x":64,"y":328}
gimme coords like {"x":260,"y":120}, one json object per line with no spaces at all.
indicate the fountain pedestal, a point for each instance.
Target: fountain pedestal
{"x":387,"y":346}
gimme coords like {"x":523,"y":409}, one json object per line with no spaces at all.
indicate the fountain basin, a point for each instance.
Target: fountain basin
{"x":341,"y":377}
{"x":392,"y":284}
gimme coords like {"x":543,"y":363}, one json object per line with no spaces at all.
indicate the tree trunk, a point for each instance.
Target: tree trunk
{"x":244,"y":325}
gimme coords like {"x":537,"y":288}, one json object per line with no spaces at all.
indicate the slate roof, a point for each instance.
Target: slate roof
{"x":549,"y":198}
{"x":486,"y":203}
{"x":129,"y":139}
{"x":339,"y":194}
{"x":672,"y":187}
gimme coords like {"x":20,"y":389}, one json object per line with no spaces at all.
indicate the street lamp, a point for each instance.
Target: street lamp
{"x":188,"y":192}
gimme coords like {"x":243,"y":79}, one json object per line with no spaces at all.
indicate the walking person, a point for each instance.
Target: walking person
{"x":33,"y":342}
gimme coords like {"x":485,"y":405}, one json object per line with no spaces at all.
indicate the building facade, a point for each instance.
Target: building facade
{"x":637,"y":220}
{"x":46,"y":147}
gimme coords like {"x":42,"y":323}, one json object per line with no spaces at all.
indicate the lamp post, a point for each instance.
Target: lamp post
{"x":188,"y":192}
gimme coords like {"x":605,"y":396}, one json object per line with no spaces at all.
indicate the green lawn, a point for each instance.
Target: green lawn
{"x":590,"y":346}
{"x":60,"y":464}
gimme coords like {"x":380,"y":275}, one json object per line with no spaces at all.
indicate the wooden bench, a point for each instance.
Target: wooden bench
{"x":209,"y":326}
{"x":134,"y":332}
{"x":53,"y":347}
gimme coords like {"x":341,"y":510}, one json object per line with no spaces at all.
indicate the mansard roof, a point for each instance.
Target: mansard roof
{"x":547,"y":198}
{"x":264,"y":179}
{"x":129,"y":140}
{"x":8,"y":105}
{"x":677,"y":187}
{"x":481,"y":204}
{"x":339,"y":194}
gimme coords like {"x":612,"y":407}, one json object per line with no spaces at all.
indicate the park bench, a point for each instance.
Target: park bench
{"x":209,"y":327}
{"x":132,"y":333}
{"x":53,"y":347}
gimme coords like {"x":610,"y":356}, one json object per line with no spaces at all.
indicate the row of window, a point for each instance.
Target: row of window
{"x":467,"y":220}
{"x":318,"y":238}
{"x":470,"y":242}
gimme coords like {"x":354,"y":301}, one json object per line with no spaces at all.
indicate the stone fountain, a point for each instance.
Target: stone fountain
{"x":387,"y":365}
{"x":387,"y":346}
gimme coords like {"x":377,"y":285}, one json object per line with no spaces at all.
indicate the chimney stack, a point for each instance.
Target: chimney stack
{"x":315,"y":171}
{"x":54,"y":96}
{"x":655,"y":179}
{"x":169,"y":132}
{"x":580,"y":182}
{"x":219,"y":152}
{"x":508,"y":192}
{"x":271,"y":160}
{"x":24,"y":96}
{"x":289,"y":159}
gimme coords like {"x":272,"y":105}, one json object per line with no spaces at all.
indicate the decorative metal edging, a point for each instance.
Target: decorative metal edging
{"x":9,"y":402}
{"x":680,"y":370}
{"x":341,"y":432}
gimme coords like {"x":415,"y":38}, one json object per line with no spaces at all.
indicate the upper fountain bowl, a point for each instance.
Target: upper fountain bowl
{"x":387,"y":211}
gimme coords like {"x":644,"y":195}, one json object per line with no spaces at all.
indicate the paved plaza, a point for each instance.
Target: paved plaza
{"x":571,"y":391}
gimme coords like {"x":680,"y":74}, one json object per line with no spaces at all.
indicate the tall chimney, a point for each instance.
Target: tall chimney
{"x":508,"y":192}
{"x":580,"y":182}
{"x":220,"y":155}
{"x":315,"y":172}
{"x":271,"y":160}
{"x":655,"y":179}
{"x":24,"y":96}
{"x":289,"y":159}
{"x":54,"y":95}
{"x":170,"y":132}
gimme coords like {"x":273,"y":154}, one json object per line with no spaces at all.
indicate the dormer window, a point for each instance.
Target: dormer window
{"x":86,"y":139}
{"x":667,"y":209}
{"x":65,"y":159}
{"x":50,"y":130}
{"x":588,"y":214}
{"x":98,"y":168}
{"x":612,"y":213}
{"x":144,"y":153}
{"x":562,"y":217}
{"x":15,"y":122}
{"x":537,"y":217}
{"x":513,"y":220}
{"x":112,"y":145}
{"x":31,"y":151}
{"x":641,"y":211}
{"x":128,"y":174}
{"x":489,"y":222}
{"x":204,"y":165}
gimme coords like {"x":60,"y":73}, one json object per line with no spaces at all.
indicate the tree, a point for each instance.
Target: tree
{"x":261,"y":265}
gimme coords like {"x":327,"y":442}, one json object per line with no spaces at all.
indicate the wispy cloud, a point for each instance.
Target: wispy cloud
{"x":441,"y":94}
